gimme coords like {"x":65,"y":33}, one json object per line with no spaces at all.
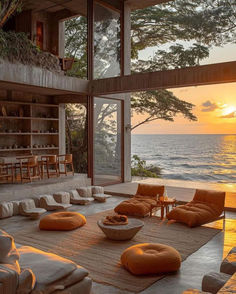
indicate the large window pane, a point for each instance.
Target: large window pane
{"x":107,"y":141}
{"x":106,"y":42}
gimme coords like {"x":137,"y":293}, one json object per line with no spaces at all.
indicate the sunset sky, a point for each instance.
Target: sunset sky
{"x":215,"y":105}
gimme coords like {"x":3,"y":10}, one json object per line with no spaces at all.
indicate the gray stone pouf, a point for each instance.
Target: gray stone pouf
{"x":212,"y":282}
{"x":121,"y":232}
{"x":228,"y":265}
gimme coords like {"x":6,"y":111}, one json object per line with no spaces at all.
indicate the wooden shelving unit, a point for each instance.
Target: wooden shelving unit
{"x":28,"y":128}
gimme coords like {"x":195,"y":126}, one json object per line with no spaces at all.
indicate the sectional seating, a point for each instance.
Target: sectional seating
{"x":206,"y":206}
{"x":27,"y":208}
{"x":98,"y":194}
{"x":6,"y":209}
{"x":75,"y":198}
{"x":48,"y":202}
{"x":62,"y":197}
{"x":21,"y":271}
{"x":143,"y":201}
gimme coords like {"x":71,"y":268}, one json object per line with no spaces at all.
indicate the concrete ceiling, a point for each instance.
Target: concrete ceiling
{"x":140,"y":4}
{"x":77,"y":7}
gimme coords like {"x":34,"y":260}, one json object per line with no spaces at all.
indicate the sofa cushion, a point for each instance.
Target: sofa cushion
{"x":193,"y":214}
{"x":47,"y":267}
{"x":150,"y":191}
{"x":135,"y":207}
{"x":97,"y":190}
{"x":85,"y":191}
{"x":8,"y":252}
{"x":6,"y":209}
{"x":62,"y":197}
{"x":8,"y":279}
{"x":75,"y":198}
{"x":26,"y":282}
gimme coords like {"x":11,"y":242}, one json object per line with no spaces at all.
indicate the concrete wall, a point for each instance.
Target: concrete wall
{"x":44,"y":80}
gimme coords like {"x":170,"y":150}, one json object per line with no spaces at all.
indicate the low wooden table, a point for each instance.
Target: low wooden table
{"x":164,"y":205}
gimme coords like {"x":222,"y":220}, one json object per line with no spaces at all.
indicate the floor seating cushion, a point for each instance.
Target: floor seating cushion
{"x":75,"y":198}
{"x":228,"y":265}
{"x":27,"y":208}
{"x":213,"y":281}
{"x":142,"y":202}
{"x":62,"y":221}
{"x":62,"y":197}
{"x":205,"y":207}
{"x":48,"y":202}
{"x":148,"y":258}
{"x":135,"y":207}
{"x":6,"y":209}
{"x":98,"y":194}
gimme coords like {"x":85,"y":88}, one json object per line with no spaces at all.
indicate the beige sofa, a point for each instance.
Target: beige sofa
{"x":31,"y":271}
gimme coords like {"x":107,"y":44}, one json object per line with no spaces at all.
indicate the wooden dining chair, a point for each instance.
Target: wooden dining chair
{"x":51,"y":164}
{"x":6,"y":171}
{"x":29,"y":168}
{"x":65,"y":160}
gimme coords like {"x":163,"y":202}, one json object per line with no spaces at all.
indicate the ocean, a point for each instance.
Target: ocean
{"x":205,"y":158}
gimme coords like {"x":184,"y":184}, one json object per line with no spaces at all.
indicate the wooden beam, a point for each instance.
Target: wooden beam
{"x":184,"y":77}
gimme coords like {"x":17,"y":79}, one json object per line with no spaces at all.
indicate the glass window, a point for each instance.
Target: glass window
{"x":106,"y":42}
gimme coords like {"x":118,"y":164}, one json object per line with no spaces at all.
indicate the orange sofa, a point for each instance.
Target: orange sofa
{"x":143,"y":201}
{"x":205,"y":207}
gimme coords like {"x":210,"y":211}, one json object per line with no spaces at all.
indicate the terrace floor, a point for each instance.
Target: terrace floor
{"x":206,"y":259}
{"x":183,"y":191}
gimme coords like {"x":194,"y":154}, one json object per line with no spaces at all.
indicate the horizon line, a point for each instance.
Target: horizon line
{"x":227,"y":134}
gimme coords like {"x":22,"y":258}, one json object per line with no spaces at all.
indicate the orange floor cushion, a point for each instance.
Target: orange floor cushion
{"x":193,"y":214}
{"x":147,"y":258}
{"x":134,"y":207}
{"x":62,"y":221}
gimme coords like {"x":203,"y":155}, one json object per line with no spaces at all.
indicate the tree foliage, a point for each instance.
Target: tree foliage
{"x":161,"y":104}
{"x":7,"y":9}
{"x":139,"y":168}
{"x":184,"y":31}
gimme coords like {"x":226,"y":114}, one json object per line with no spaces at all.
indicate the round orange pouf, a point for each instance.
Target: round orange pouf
{"x":147,"y":258}
{"x":62,"y":221}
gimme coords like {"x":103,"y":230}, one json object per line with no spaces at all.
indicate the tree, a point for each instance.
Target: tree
{"x":161,"y":104}
{"x":198,"y":23}
{"x":7,"y":9}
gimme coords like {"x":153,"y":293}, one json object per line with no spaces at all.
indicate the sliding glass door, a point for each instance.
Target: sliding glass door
{"x":107,"y":141}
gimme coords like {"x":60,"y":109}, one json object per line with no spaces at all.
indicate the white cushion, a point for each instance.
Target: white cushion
{"x":47,"y":267}
{"x":85,"y":191}
{"x":6,"y":209}
{"x":15,"y":206}
{"x":97,"y":190}
{"x":101,"y":197}
{"x":62,"y":197}
{"x":8,"y":252}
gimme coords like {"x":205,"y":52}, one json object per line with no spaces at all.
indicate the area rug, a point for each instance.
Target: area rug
{"x":88,"y":247}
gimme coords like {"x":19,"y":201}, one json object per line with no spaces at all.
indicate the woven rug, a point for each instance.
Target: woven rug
{"x":88,"y":247}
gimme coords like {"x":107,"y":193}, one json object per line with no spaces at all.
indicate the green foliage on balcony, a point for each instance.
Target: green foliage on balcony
{"x":17,"y":48}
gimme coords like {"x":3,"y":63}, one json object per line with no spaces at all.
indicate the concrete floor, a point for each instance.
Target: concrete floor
{"x":206,"y":259}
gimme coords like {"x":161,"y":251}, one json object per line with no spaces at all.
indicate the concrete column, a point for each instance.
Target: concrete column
{"x":61,"y":40}
{"x":62,"y":129}
{"x":127,"y":108}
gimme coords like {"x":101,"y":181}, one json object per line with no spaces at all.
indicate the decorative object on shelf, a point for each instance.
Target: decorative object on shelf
{"x":4,"y":111}
{"x":21,"y":112}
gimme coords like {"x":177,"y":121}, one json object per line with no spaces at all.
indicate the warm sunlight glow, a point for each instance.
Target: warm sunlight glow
{"x":228,"y":110}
